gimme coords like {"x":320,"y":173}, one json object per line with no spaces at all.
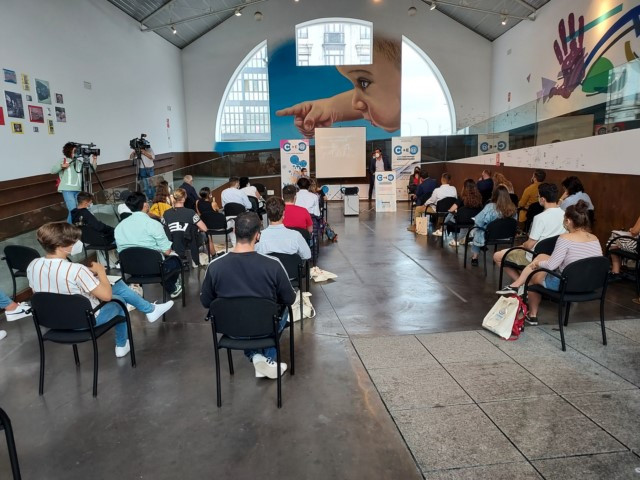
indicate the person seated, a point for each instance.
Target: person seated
{"x":245,"y":273}
{"x":500,"y":206}
{"x":445,"y":190}
{"x":232,"y":194}
{"x":500,"y":179}
{"x":140,"y":230}
{"x":414,"y":181}
{"x":186,"y":223}
{"x":249,"y":189}
{"x":13,"y":310}
{"x":54,"y":273}
{"x":322,"y":197}
{"x":167,"y":187}
{"x":622,"y":244}
{"x":530,"y":194}
{"x":161,"y":202}
{"x":295,"y":216}
{"x":547,"y":224}
{"x":485,"y":185}
{"x":206,"y":203}
{"x":577,"y":244}
{"x":573,"y":193}
{"x":467,"y":206}
{"x":306,"y":199}
{"x":277,"y":238}
{"x":192,"y":195}
{"x":82,"y":216}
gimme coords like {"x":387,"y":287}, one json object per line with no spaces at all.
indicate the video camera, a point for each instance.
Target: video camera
{"x":141,"y":143}
{"x":84,"y":151}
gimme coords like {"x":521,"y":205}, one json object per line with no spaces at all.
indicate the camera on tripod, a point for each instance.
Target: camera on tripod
{"x":84,"y":151}
{"x":139,"y":144}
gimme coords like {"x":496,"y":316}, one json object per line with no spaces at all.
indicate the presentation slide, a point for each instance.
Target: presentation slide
{"x":340,"y":152}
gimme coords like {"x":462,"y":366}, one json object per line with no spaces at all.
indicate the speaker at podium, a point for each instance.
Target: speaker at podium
{"x":351,"y":201}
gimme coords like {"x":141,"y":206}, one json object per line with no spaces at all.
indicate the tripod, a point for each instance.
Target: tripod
{"x":87,"y":171}
{"x":136,"y":160}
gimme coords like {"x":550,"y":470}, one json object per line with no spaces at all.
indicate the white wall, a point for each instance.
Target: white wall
{"x":68,"y":42}
{"x":527,"y":49}
{"x":463,"y":58}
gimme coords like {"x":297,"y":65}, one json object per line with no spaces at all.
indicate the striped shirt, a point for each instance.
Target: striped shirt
{"x":567,"y":251}
{"x":56,"y":275}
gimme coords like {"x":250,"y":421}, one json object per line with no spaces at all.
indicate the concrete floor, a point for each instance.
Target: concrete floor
{"x":375,"y":395}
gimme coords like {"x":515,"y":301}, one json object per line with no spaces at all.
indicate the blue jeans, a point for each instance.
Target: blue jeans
{"x":5,"y":301}
{"x":552,"y":283}
{"x":71,"y":201}
{"x":122,"y":292}
{"x":145,"y":175}
{"x":271,"y":351}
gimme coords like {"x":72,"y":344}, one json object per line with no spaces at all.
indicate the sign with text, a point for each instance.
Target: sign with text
{"x":294,"y":156}
{"x":385,"y":191}
{"x":405,"y":157}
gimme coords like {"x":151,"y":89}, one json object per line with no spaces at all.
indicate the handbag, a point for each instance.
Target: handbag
{"x":506,"y":317}
{"x":422,"y":225}
{"x":307,"y":309}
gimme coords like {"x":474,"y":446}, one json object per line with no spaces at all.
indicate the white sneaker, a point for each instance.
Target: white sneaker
{"x":159,"y":310}
{"x":453,"y":243}
{"x":22,"y":310}
{"x":122,"y":351}
{"x":194,"y":264}
{"x":437,"y":233}
{"x":177,"y":291}
{"x":2,"y":334}
{"x":265,"y":367}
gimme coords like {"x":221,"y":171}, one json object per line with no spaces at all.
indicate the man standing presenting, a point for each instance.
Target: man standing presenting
{"x":245,"y":273}
{"x":377,"y":164}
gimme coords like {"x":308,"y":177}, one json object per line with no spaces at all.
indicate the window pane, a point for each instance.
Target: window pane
{"x":344,"y":42}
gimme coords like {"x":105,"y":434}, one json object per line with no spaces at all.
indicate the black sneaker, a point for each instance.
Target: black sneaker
{"x":474,"y":262}
{"x":531,"y":320}
{"x":507,"y":290}
{"x":614,"y":277}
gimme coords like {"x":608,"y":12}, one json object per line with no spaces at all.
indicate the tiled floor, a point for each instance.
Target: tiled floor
{"x":394,"y":380}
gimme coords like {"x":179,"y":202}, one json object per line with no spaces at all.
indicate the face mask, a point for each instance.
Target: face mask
{"x":377,"y":155}
{"x":77,"y":248}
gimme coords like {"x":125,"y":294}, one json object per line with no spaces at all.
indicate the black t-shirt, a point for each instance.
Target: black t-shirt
{"x":204,"y":206}
{"x":179,"y":219}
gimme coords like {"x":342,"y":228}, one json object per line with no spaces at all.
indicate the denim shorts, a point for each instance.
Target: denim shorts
{"x":552,"y":283}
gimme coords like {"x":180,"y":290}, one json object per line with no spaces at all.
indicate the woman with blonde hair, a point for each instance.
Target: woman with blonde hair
{"x":500,"y":179}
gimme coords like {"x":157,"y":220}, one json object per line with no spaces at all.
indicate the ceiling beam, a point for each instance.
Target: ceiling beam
{"x":201,"y":15}
{"x":157,"y":10}
{"x":526,"y":5}
{"x":475,"y":9}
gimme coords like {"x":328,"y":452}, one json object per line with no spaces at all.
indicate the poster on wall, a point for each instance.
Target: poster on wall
{"x":50,"y":127}
{"x":405,"y":156}
{"x":61,"y":115}
{"x":59,"y":98}
{"x":16,"y":127}
{"x":43,"y":91}
{"x":36,"y":114}
{"x":15,"y":107}
{"x":10,"y":76}
{"x":294,"y":157}
{"x":493,"y":143}
{"x":24,"y":78}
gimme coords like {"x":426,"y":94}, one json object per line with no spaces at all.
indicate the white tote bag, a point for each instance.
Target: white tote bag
{"x":307,"y":309}
{"x":422,"y":225}
{"x":500,"y":318}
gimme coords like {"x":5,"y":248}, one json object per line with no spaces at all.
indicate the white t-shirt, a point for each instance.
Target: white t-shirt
{"x":250,"y":190}
{"x":442,"y":192}
{"x":55,"y":275}
{"x":308,"y":200}
{"x":148,"y":162}
{"x":234,"y":195}
{"x":547,"y":224}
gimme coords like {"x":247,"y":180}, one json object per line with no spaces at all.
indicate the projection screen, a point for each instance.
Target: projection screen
{"x":341,"y":152}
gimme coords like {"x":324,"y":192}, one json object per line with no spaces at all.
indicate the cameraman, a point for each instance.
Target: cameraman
{"x":70,"y":176}
{"x":145,"y":171}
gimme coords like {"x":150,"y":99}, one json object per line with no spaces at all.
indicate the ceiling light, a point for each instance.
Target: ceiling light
{"x":503,"y":19}
{"x":173,"y":29}
{"x":412,"y":11}
{"x":433,"y":5}
{"x":238,"y":13}
{"x":257,"y":16}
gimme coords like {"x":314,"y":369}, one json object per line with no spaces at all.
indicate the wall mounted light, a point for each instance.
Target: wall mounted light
{"x":412,"y":11}
{"x":257,"y":16}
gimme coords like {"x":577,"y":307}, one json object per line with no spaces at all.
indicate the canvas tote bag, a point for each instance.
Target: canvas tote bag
{"x":502,"y":316}
{"x":422,"y":225}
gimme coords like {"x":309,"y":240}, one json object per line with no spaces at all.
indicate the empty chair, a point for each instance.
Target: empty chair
{"x":71,"y":320}
{"x":246,"y":323}
{"x":18,"y":259}
{"x":94,"y":240}
{"x":295,"y":266}
{"x":501,"y":231}
{"x":5,"y":424}
{"x":232,"y":210}
{"x":216,"y":224}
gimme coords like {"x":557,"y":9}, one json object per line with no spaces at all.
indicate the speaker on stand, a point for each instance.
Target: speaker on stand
{"x":351,"y":200}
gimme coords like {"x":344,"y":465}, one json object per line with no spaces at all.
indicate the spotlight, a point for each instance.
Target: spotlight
{"x":257,"y":16}
{"x":412,"y":11}
{"x":173,"y":29}
{"x":237,"y":13}
{"x":433,"y":5}
{"x":503,"y":19}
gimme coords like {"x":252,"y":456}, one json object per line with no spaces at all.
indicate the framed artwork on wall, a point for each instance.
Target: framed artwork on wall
{"x":43,"y":91}
{"x":25,"y":82}
{"x":10,"y":76}
{"x":15,"y":107}
{"x":36,"y":129}
{"x":61,"y":115}
{"x":29,"y":98}
{"x":50,"y":127}
{"x":59,"y":98}
{"x":16,"y":127}
{"x":1,"y":116}
{"x":36,"y":114}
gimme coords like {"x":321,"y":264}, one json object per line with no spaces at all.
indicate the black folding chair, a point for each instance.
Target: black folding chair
{"x":262,"y":190}
{"x":5,"y":424}
{"x":216,"y":224}
{"x":442,"y":210}
{"x":295,"y":266}
{"x":146,"y":266}
{"x":232,"y":210}
{"x":533,"y":210}
{"x":545,"y":246}
{"x":629,"y":255}
{"x":463,"y":219}
{"x":94,"y":240}
{"x":71,"y":320}
{"x":247,"y":323}
{"x":502,"y":231}
{"x":310,"y":238}
{"x":581,"y":281}
{"x":18,"y":259}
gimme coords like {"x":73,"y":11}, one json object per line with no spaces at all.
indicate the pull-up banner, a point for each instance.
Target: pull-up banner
{"x":294,"y":156}
{"x":405,"y":157}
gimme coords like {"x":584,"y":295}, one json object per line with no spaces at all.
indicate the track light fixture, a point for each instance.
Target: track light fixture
{"x":433,"y":5}
{"x":238,"y":12}
{"x":173,"y":29}
{"x":257,"y":16}
{"x":503,"y":19}
{"x":412,"y":11}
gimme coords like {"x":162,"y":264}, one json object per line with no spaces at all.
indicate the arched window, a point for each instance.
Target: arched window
{"x":244,"y":115}
{"x":427,"y":108}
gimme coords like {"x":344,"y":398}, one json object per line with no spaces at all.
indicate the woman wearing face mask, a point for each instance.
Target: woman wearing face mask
{"x":54,"y":273}
{"x":578,"y":244}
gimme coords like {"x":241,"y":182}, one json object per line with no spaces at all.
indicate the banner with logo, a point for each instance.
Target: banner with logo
{"x":294,"y":156}
{"x":405,"y":157}
{"x":385,"y":192}
{"x":493,"y":143}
